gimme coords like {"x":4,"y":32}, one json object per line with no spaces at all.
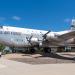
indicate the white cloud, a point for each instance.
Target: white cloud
{"x":16,"y":18}
{"x":67,"y":20}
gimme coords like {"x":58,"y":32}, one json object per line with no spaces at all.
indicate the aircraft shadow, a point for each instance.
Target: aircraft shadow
{"x":52,"y":55}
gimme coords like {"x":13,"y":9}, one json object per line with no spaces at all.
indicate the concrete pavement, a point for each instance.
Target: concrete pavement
{"x":8,"y":67}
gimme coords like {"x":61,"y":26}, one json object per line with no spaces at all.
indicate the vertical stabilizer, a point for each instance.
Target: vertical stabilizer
{"x":73,"y":24}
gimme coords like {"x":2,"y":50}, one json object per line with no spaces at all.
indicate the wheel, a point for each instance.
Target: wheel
{"x":47,"y":50}
{"x":32,"y":50}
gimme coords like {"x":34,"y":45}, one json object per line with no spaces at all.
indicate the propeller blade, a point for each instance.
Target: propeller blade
{"x":29,"y":39}
{"x":46,"y":33}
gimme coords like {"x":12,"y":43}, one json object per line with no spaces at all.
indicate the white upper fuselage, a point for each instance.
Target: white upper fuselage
{"x":15,"y":36}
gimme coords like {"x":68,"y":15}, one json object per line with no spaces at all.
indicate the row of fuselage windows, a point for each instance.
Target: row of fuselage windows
{"x":12,"y":33}
{"x":19,"y":40}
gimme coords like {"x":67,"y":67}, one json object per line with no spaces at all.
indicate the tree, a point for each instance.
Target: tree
{"x":1,"y":47}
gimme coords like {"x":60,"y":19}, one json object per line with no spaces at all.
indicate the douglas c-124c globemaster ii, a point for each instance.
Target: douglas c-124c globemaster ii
{"x":31,"y":38}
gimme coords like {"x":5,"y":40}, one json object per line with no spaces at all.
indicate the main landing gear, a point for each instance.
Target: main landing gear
{"x":47,"y":50}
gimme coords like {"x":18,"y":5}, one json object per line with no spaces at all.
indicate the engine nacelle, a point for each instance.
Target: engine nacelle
{"x":71,"y":41}
{"x":34,"y":41}
{"x":51,"y":36}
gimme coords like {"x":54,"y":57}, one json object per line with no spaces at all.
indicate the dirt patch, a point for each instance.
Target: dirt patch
{"x":40,"y":58}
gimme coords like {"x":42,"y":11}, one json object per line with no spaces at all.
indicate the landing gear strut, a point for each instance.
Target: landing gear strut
{"x":47,"y":50}
{"x":32,"y":50}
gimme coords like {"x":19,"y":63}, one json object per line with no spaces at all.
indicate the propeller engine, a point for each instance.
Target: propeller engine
{"x":33,"y":40}
{"x":48,"y":36}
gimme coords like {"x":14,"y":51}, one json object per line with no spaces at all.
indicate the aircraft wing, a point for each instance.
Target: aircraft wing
{"x":67,"y":35}
{"x":62,"y":37}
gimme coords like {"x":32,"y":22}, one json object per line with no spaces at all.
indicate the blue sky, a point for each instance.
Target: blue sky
{"x":52,"y":15}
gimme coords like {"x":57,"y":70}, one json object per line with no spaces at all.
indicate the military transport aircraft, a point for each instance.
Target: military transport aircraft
{"x":30,"y":38}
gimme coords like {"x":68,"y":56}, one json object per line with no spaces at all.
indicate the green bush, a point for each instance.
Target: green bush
{"x":1,"y":47}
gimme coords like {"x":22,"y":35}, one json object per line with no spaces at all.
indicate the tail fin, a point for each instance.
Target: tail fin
{"x":73,"y":24}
